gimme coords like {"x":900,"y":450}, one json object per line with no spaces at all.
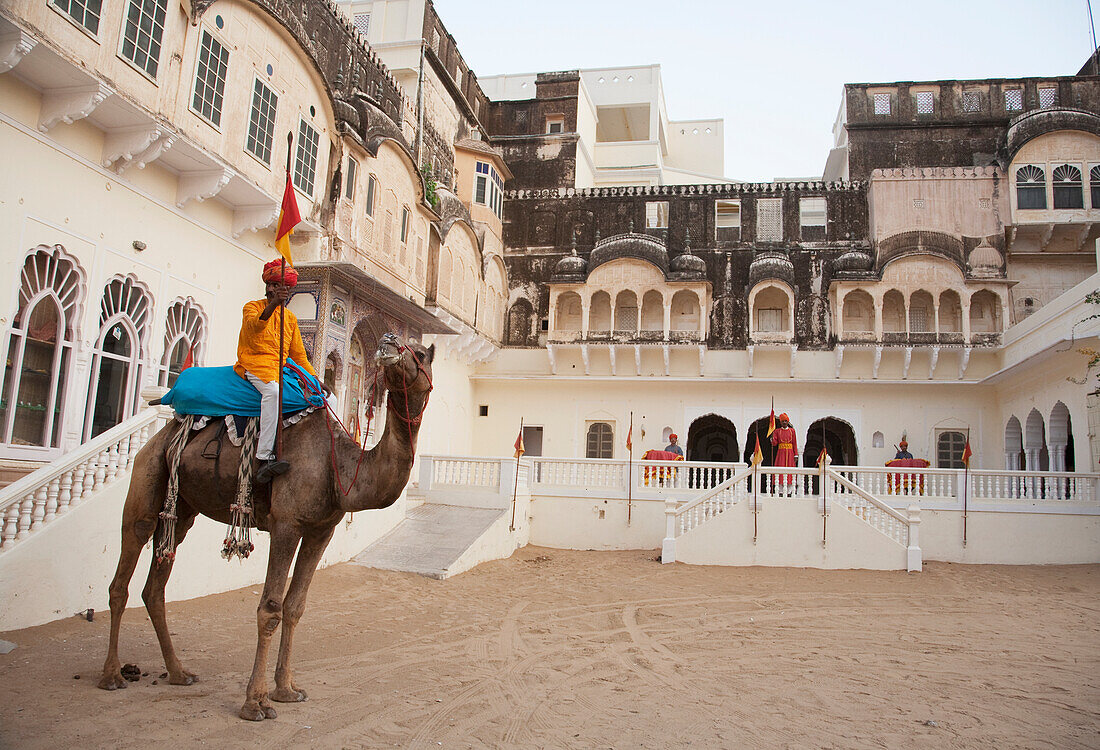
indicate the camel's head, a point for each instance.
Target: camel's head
{"x":406,"y":364}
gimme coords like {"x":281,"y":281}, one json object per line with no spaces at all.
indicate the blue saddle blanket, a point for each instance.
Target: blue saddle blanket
{"x":220,"y":391}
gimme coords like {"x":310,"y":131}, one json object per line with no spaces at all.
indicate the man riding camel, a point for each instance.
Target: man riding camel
{"x":258,"y":359}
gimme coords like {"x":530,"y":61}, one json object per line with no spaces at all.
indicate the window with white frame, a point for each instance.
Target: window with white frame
{"x":261,"y":121}
{"x":727,"y":220}
{"x":1014,"y":100}
{"x":600,"y":442}
{"x":1094,"y":186}
{"x":118,"y":357}
{"x":362,"y":23}
{"x":1031,"y":187}
{"x":372,"y":190}
{"x":40,"y":349}
{"x":769,"y":220}
{"x":882,"y":103}
{"x":210,"y":78}
{"x":84,"y":12}
{"x":184,"y":340}
{"x":1068,"y":188}
{"x":1048,"y":97}
{"x":656,"y":215}
{"x":926,"y":101}
{"x":555,"y":123}
{"x":142,"y":33}
{"x":488,"y":187}
{"x":305,"y":158}
{"x":349,"y":178}
{"x":812,"y":218}
{"x":972,"y":101}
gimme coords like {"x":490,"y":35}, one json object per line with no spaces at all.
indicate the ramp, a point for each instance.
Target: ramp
{"x":431,"y":540}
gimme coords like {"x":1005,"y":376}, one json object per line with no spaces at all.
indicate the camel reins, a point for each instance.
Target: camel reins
{"x":409,"y":420}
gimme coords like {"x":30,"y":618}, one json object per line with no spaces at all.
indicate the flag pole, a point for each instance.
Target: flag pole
{"x":966,"y":481}
{"x":755,"y":485}
{"x":515,"y":487}
{"x":282,"y":308}
{"x":824,"y":485}
{"x":629,"y":468}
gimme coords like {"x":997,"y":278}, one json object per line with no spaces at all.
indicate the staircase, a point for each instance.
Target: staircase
{"x":437,"y":541}
{"x":770,"y":516}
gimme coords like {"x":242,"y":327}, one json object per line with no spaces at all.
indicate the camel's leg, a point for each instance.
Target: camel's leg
{"x":284,"y":540}
{"x":148,"y":484}
{"x":153,"y":594}
{"x":313,"y":546}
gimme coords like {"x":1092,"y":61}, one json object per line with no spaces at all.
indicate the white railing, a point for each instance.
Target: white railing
{"x":33,"y":501}
{"x":941,"y":489}
{"x":868,"y":507}
{"x":466,"y":472}
{"x":582,"y":477}
{"x":711,"y":503}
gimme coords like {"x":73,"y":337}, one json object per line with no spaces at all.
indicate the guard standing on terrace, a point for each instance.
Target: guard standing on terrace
{"x":672,"y":447}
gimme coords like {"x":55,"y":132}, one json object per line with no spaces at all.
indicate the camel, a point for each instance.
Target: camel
{"x":302,"y":507}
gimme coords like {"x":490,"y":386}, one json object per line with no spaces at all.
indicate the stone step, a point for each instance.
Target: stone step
{"x":430,"y":539}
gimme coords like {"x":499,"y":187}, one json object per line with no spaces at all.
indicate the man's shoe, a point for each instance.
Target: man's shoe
{"x":270,"y":469}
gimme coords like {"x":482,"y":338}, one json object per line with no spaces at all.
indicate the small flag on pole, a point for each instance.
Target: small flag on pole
{"x":520,"y":450}
{"x":823,"y":458}
{"x":757,"y":455}
{"x":189,"y":360}
{"x":629,"y":444}
{"x":771,"y":424}
{"x":288,"y":219}
{"x":967,"y":453}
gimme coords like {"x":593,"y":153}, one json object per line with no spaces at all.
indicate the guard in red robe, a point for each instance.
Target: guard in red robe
{"x":786,"y":444}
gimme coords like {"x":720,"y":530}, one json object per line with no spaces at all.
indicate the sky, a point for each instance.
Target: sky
{"x":774,"y":70}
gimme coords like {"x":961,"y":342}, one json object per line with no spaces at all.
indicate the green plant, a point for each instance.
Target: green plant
{"x":430,"y":184}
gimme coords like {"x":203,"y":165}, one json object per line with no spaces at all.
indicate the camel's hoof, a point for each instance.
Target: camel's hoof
{"x":288,"y":695}
{"x":112,"y":681}
{"x":184,"y":678}
{"x":256,"y":712}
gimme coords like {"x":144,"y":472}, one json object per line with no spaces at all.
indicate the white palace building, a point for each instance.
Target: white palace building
{"x":581,"y":264}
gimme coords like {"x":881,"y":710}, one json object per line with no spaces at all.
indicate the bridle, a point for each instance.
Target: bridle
{"x":409,"y":420}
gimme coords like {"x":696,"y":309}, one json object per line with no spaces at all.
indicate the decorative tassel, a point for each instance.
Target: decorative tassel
{"x":238,"y":537}
{"x":165,"y":548}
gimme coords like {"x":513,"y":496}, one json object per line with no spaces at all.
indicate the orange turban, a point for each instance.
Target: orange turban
{"x":673,"y":436}
{"x":784,"y":417}
{"x":272,"y":272}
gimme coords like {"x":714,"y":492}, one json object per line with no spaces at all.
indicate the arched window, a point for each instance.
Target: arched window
{"x":626,"y":312}
{"x":949,"y":449}
{"x":567,"y":317}
{"x":1094,"y":186}
{"x":40,"y":346}
{"x":600,"y":441}
{"x":653,"y":311}
{"x":921,"y":313}
{"x":599,"y":314}
{"x":685,"y":311}
{"x":859,"y":312}
{"x":893,"y":312}
{"x":117,"y":360}
{"x":1031,"y":187}
{"x":184,"y":338}
{"x":1068,"y":190}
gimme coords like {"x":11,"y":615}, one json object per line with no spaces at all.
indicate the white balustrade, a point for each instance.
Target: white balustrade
{"x":36,"y":499}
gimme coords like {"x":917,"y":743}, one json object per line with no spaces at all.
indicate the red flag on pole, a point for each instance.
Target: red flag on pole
{"x":288,"y":219}
{"x":757,"y":455}
{"x":967,"y":453}
{"x":520,"y":450}
{"x":629,"y":444}
{"x":771,"y":424}
{"x":189,"y":360}
{"x":823,"y":456}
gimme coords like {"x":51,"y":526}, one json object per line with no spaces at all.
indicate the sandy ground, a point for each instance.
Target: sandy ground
{"x":559,"y":649}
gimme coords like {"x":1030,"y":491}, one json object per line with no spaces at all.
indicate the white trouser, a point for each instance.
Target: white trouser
{"x":269,"y":416}
{"x":269,"y":411}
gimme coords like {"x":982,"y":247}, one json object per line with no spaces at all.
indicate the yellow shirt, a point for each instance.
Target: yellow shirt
{"x":258,"y":346}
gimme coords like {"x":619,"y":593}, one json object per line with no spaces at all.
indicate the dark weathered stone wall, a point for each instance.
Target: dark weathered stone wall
{"x":540,"y":227}
{"x":949,"y":136}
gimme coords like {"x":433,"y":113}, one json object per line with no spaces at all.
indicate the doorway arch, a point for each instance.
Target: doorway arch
{"x":712,"y":438}
{"x":839,"y":438}
{"x":759,"y":428}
